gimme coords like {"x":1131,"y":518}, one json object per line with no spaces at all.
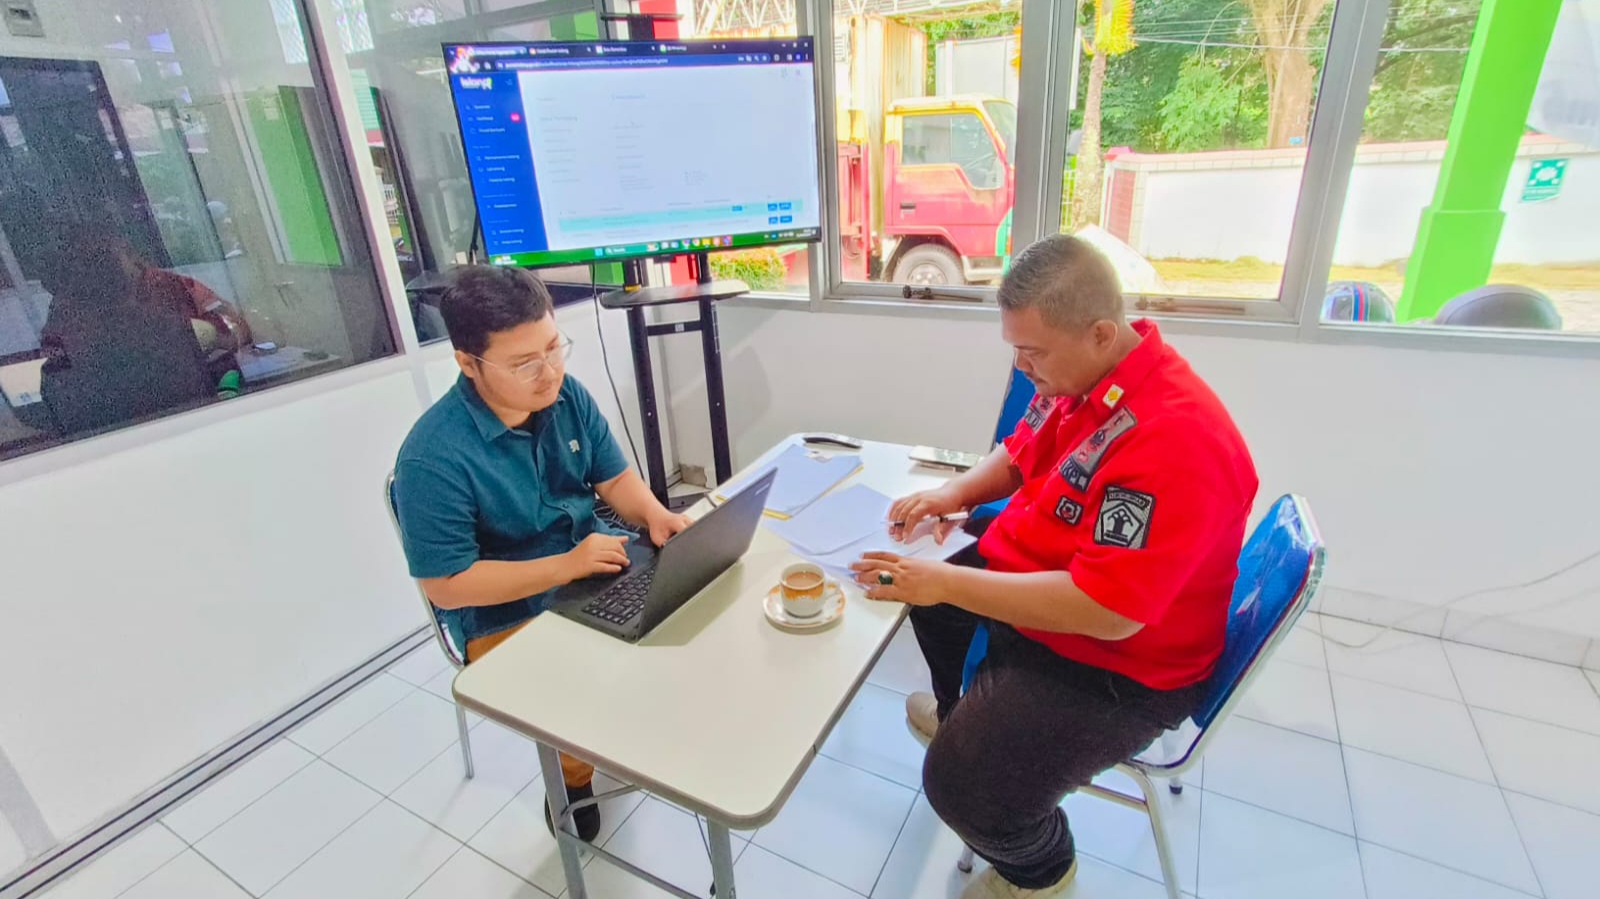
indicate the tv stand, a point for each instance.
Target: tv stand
{"x":634,"y":298}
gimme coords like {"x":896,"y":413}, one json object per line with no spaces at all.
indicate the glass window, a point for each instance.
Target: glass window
{"x":1189,"y":131}
{"x":1504,"y":236}
{"x":416,"y":143}
{"x":925,"y":123}
{"x":177,"y":224}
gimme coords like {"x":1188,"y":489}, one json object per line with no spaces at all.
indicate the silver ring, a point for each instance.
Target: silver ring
{"x":886,"y":579}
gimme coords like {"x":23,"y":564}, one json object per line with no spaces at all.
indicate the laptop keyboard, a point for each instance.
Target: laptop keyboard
{"x":623,"y":601}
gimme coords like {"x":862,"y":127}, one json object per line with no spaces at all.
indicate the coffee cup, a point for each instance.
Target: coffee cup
{"x":802,"y":589}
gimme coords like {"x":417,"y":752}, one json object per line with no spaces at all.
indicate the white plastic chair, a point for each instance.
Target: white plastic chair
{"x":456,"y":655}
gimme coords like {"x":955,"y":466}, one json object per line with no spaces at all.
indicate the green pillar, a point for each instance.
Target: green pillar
{"x":583,"y":26}
{"x":1456,"y":242}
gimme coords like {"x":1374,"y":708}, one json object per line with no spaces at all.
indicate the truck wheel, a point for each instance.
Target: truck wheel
{"x":928,"y":265}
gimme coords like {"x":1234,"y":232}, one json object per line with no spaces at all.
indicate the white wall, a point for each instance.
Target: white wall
{"x":209,"y":573}
{"x":163,"y":598}
{"x":1227,"y":213}
{"x":1433,"y":473}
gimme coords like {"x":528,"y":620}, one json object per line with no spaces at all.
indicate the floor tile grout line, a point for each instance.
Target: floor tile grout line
{"x":1477,"y":731}
{"x":243,"y":808}
{"x":380,"y":713}
{"x":885,"y":779}
{"x":1571,"y":730}
{"x":805,"y":867}
{"x":888,"y":780}
{"x":387,"y":709}
{"x":1199,"y":832}
{"x":318,"y":850}
{"x":1451,"y":868}
{"x":1483,"y":745}
{"x":536,"y":888}
{"x":899,"y":834}
{"x":1349,"y":790}
{"x":1384,"y":755}
{"x":1555,"y":802}
{"x":460,"y":845}
{"x":129,"y":888}
{"x":1512,"y":815}
{"x":218,"y":868}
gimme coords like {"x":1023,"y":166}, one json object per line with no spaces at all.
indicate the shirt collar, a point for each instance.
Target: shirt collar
{"x":1115,"y":388}
{"x":490,"y":427}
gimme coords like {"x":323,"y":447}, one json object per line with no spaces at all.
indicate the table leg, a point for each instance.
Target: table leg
{"x":555,"y":788}
{"x":721,"y":861}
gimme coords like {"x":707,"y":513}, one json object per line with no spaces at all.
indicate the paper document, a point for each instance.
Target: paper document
{"x":837,"y":520}
{"x":835,"y":530}
{"x":802,"y":477}
{"x":838,"y":561}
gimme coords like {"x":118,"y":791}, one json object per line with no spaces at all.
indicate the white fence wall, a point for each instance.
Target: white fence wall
{"x":1233,"y":204}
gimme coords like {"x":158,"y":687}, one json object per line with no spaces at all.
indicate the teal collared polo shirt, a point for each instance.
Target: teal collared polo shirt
{"x":467,"y":487}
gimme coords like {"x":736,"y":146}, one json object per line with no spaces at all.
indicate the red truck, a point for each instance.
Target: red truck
{"x":949,"y":175}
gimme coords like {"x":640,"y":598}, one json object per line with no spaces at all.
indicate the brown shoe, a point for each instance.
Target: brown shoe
{"x":990,"y":885}
{"x":922,"y":715}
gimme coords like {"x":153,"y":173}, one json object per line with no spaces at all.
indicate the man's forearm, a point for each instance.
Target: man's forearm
{"x":631,"y":498}
{"x":1043,"y":601}
{"x":993,"y":478}
{"x":489,"y":583}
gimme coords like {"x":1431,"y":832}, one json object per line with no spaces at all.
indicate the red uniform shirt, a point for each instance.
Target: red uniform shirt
{"x":1140,"y":491}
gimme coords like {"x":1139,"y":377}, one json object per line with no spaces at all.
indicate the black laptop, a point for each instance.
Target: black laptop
{"x":659,"y":582}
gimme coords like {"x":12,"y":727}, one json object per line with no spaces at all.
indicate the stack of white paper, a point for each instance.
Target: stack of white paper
{"x":837,"y":529}
{"x":802,"y":477}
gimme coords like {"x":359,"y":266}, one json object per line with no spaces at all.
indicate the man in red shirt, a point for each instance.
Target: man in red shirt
{"x":1105,"y":582}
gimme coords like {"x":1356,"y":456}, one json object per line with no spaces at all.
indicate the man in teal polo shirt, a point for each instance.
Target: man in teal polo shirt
{"x":495,"y":486}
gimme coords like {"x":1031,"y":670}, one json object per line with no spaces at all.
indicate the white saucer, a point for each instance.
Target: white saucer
{"x":832,"y":610}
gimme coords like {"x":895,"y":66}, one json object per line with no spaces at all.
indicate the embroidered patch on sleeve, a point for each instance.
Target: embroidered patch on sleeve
{"x":1081,"y":463}
{"x":1038,"y":410}
{"x":1069,"y":511}
{"x":1124,"y":520}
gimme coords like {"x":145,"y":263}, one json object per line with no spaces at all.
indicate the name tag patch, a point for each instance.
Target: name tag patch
{"x":1037,"y":411}
{"x":1069,"y":511}
{"x":1124,"y":520}
{"x":1081,"y":463}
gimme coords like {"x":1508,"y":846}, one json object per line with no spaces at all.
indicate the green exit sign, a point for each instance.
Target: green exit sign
{"x":1544,"y":180}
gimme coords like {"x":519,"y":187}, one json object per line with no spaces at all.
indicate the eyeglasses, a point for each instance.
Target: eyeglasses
{"x":534,"y":369}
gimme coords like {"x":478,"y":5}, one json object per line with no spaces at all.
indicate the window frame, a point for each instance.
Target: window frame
{"x":1049,"y":45}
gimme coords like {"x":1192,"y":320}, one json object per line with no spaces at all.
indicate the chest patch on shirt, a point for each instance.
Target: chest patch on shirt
{"x":575,"y":446}
{"x":1081,"y":463}
{"x":1124,"y":520}
{"x":1037,"y":411}
{"x":1069,"y":510}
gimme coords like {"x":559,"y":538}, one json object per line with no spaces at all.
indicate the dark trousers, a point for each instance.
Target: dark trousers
{"x":1033,"y":727}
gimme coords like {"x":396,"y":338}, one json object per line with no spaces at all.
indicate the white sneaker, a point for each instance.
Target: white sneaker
{"x":990,"y":885}
{"x":922,"y":714}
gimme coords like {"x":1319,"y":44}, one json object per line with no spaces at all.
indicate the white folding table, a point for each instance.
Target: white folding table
{"x":716,"y":711}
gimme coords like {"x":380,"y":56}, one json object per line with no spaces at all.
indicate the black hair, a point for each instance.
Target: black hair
{"x":483,"y":300}
{"x":1067,"y":279}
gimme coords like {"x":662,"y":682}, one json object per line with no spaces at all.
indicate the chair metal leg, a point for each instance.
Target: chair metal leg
{"x":1158,"y":825}
{"x":466,"y":743}
{"x":1170,"y":747}
{"x":965,"y":864}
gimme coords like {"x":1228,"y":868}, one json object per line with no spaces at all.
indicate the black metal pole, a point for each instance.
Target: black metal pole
{"x":715,"y":398}
{"x":644,"y":378}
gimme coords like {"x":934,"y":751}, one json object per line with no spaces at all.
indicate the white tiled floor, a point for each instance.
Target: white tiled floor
{"x":1462,"y":773}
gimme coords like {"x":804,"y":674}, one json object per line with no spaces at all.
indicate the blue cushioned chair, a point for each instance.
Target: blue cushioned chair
{"x":1279,"y":571}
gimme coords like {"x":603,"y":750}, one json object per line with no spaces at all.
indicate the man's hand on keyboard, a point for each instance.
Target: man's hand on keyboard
{"x":597,"y":554}
{"x":665,"y":526}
